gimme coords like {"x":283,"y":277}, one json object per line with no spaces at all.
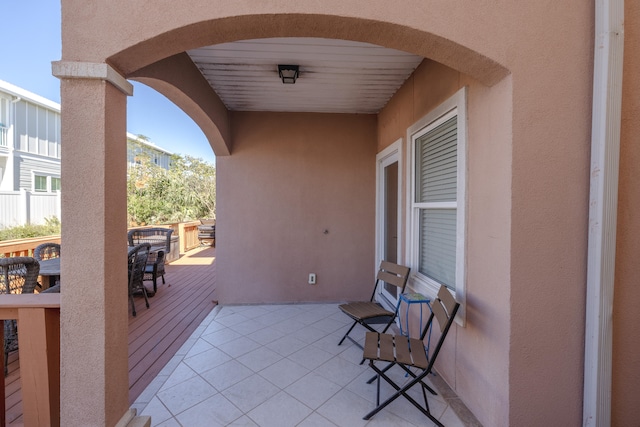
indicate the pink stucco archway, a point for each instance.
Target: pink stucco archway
{"x":527,"y":80}
{"x":160,"y":62}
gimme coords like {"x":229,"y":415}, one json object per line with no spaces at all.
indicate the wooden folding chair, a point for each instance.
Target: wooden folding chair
{"x":410,"y":354}
{"x":371,"y":312}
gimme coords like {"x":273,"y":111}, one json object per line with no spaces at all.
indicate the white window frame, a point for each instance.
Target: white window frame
{"x":394,"y":152}
{"x":48,"y":177}
{"x":51,"y":178}
{"x":456,"y":105}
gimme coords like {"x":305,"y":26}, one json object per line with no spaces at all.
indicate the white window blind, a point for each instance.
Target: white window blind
{"x":436,"y":200}
{"x":436,"y":211}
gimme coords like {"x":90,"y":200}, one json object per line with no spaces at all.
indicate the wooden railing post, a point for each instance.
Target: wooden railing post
{"x":39,"y":351}
{"x":181,"y":237}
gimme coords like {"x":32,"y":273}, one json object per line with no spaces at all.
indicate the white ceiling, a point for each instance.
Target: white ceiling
{"x":336,"y":76}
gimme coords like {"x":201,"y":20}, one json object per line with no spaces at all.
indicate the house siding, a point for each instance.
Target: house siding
{"x":32,"y":127}
{"x":37,"y":129}
{"x":27,"y":165}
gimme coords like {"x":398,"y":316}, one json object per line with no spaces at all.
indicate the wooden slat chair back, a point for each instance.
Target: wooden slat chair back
{"x":410,"y":354}
{"x":18,"y":275}
{"x":370,"y":312}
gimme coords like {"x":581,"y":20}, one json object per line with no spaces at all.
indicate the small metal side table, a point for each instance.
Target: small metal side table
{"x":413,"y":298}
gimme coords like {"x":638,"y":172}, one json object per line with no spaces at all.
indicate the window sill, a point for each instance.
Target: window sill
{"x":428,"y":287}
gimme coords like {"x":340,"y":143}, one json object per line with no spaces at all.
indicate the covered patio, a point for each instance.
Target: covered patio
{"x":514,"y":88}
{"x":194,"y":363}
{"x":279,"y":365}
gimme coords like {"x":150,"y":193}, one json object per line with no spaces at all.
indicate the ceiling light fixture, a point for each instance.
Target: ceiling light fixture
{"x":288,"y":73}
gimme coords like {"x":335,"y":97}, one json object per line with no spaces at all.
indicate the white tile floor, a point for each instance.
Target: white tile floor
{"x":275,"y":365}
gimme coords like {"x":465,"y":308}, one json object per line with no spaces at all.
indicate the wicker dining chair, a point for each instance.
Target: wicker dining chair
{"x":46,"y":251}
{"x":18,"y":275}
{"x":160,"y":240}
{"x":137,"y":261}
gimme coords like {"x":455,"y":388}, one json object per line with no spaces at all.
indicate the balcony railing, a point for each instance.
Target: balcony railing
{"x":3,"y":136}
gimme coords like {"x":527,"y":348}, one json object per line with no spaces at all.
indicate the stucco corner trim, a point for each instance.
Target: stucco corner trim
{"x":92,"y":71}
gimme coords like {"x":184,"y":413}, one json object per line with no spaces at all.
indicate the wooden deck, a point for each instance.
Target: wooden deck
{"x":155,"y":334}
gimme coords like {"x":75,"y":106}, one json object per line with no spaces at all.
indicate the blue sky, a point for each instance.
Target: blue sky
{"x":32,"y":41}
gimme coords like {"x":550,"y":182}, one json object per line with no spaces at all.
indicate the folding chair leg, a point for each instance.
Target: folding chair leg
{"x":400,"y":391}
{"x":378,"y":390}
{"x":388,"y":324}
{"x":385,"y":369}
{"x":408,"y":371}
{"x":345,"y":335}
{"x":364,"y":324}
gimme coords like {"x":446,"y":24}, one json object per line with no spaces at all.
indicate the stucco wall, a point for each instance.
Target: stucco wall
{"x":290,"y":178}
{"x":625,"y":410}
{"x":474,"y":358}
{"x":535,"y":59}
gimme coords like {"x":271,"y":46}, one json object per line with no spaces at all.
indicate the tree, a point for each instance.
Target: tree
{"x":186,"y":191}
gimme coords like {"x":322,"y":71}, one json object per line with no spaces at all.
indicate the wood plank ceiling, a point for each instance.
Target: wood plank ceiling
{"x":336,"y":76}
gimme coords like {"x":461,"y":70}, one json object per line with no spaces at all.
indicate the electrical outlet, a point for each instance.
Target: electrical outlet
{"x":312,"y":278}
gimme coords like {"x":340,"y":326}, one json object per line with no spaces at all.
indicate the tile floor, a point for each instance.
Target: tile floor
{"x":275,"y":365}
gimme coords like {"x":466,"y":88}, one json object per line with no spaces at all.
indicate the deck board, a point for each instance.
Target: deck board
{"x":155,"y":334}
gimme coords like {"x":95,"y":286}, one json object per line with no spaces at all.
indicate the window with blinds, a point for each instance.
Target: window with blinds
{"x":435,"y":201}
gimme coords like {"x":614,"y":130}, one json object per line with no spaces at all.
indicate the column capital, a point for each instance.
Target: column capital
{"x":92,"y":71}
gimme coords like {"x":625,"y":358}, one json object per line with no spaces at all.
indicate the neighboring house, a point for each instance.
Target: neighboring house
{"x":30,"y":153}
{"x":30,"y":149}
{"x":30,"y":145}
{"x":530,"y":95}
{"x":138,"y":146}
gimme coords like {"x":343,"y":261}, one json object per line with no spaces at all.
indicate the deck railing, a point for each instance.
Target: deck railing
{"x":187,"y":233}
{"x":24,"y":247}
{"x":39,"y":353}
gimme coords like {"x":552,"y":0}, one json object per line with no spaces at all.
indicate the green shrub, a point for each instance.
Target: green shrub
{"x":51,"y":227}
